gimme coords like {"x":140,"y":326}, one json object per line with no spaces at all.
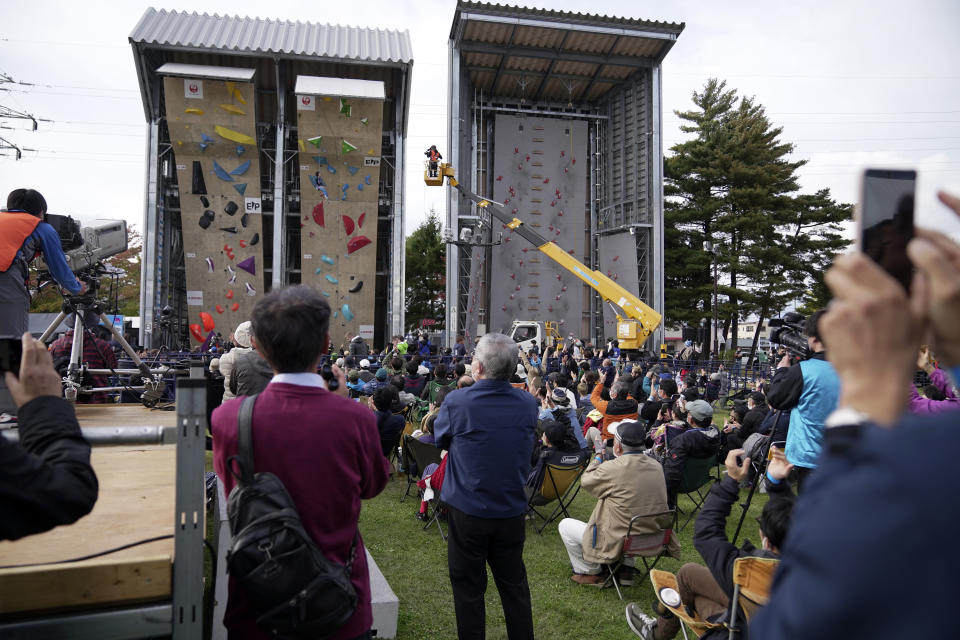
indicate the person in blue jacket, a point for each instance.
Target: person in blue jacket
{"x":869,"y":551}
{"x":23,"y":237}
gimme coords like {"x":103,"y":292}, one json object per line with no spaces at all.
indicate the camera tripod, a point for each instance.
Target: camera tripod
{"x":153,"y":385}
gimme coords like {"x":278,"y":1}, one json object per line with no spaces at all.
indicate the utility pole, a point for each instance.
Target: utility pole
{"x":6,"y":113}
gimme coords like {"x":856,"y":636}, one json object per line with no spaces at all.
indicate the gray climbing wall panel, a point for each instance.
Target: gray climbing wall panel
{"x":539,"y":174}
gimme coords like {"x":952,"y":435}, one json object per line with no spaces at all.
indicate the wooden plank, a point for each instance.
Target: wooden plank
{"x":122,"y":415}
{"x":136,"y":502}
{"x":85,"y":584}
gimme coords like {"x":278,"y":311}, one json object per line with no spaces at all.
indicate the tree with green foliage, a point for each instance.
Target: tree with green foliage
{"x":426,"y":273}
{"x":125,"y":297}
{"x":732,"y":185}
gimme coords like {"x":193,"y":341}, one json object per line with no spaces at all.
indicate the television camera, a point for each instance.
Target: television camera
{"x":788,"y":332}
{"x":86,"y":248}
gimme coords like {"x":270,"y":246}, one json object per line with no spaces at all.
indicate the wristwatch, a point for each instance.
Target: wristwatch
{"x":845,"y":417}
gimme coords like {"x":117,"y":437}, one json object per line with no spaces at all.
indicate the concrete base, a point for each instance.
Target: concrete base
{"x":386,"y":606}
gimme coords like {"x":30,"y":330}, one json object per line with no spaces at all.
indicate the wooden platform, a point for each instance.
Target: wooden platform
{"x":123,"y":415}
{"x":136,"y":502}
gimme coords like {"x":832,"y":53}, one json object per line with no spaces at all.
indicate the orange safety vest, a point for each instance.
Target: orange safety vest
{"x":434,"y":155}
{"x":15,"y":227}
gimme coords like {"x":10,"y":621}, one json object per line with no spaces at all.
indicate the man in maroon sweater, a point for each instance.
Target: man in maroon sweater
{"x":323,"y":447}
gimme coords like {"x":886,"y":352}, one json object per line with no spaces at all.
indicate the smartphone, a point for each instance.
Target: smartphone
{"x":11,"y":352}
{"x":885,"y":220}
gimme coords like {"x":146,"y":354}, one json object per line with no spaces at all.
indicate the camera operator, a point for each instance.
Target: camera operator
{"x":809,"y":390}
{"x":24,"y":236}
{"x":47,"y":479}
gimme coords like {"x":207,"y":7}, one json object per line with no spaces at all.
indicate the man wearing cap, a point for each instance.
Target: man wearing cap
{"x":620,"y":406}
{"x":379,"y":381}
{"x":700,"y":440}
{"x":630,"y":484}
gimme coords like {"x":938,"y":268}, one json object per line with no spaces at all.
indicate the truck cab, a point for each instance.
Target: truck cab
{"x":527,"y":332}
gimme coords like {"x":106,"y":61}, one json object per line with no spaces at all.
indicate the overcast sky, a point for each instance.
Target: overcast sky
{"x":854,"y":84}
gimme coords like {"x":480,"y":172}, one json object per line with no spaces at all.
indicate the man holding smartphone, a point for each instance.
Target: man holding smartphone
{"x":46,"y":480}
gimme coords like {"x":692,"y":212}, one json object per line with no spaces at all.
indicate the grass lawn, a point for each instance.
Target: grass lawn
{"x":415,"y":564}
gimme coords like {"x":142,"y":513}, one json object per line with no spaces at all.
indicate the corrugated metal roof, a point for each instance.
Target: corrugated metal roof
{"x":569,"y":17}
{"x":259,"y":35}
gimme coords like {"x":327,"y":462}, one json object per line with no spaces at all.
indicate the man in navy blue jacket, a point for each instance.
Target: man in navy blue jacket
{"x":868,"y":555}
{"x":489,"y":429}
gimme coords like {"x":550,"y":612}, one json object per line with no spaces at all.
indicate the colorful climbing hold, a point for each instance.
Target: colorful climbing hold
{"x":209,"y":265}
{"x":221,"y":172}
{"x":234,"y":136}
{"x":353,"y":170}
{"x":240,"y":149}
{"x":194,"y":111}
{"x":348,"y":224}
{"x":229,"y":294}
{"x":356,"y":243}
{"x":318,"y":213}
{"x":327,"y":259}
{"x":219,"y":309}
{"x":241,"y":169}
{"x":234,"y":306}
{"x":241,"y":187}
{"x":315,"y":141}
{"x":346,"y":146}
{"x":331,"y":279}
{"x":229,"y":108}
{"x":195,"y":332}
{"x":347,"y":313}
{"x":207,"y":320}
{"x":345,"y":107}
{"x":356,"y":288}
{"x":360,"y":219}
{"x":250,"y":290}
{"x":249,"y":265}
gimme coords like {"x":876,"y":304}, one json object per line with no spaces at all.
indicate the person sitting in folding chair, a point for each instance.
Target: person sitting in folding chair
{"x":705,"y":591}
{"x":557,"y":446}
{"x":700,"y":441}
{"x":629,"y":484}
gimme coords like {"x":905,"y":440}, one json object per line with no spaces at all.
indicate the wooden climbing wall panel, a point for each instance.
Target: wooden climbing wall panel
{"x":339,"y":143}
{"x":212,"y":128}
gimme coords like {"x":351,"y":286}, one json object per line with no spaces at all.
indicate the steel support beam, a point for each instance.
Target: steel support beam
{"x":453,"y":196}
{"x":150,"y":265}
{"x":553,"y":54}
{"x":279,"y":180}
{"x":656,"y":201}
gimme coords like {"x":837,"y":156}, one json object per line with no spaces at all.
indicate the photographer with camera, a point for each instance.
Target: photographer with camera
{"x":24,"y":236}
{"x":808,"y":389}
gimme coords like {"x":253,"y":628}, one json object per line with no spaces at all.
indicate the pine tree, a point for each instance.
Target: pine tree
{"x":426,"y":258}
{"x":733,"y":185}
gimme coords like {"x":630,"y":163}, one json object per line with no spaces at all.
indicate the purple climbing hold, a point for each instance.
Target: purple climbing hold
{"x":248,"y":265}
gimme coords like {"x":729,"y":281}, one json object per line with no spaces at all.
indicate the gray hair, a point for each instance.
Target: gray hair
{"x":617,"y":390}
{"x":499,"y":356}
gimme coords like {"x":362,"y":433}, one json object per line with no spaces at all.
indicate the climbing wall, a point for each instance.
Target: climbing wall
{"x":539,"y":174}
{"x":618,"y":260}
{"x":339,"y":176}
{"x":212,"y":128}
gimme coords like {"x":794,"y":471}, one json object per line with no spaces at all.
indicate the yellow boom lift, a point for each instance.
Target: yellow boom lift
{"x":637,"y":320}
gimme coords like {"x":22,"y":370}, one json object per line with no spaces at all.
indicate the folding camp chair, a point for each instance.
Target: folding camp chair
{"x":696,"y":475}
{"x":560,"y":483}
{"x":752,"y":579}
{"x":419,"y":453}
{"x":643,"y":545}
{"x":691,"y":619}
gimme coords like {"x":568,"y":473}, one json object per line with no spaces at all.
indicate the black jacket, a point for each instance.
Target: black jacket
{"x":710,"y":531}
{"x":47,"y":479}
{"x":753,"y":420}
{"x":787,"y":385}
{"x":692,"y":443}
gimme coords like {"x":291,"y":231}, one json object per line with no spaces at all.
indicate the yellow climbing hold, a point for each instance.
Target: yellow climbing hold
{"x":300,"y":144}
{"x":239,"y":96}
{"x":194,"y":111}
{"x":230,"y":85}
{"x":229,"y":108}
{"x":234,"y":136}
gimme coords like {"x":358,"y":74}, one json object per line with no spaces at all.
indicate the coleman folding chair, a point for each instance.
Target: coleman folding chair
{"x":696,"y":475}
{"x":752,"y":579}
{"x":420,"y":454}
{"x":560,"y":483}
{"x":648,"y":536}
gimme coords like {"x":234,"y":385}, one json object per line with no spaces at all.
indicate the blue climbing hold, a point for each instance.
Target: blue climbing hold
{"x":347,"y":313}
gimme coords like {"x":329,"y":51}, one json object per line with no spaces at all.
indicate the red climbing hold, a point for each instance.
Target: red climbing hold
{"x":229,"y":295}
{"x":559,"y":277}
{"x":563,"y":288}
{"x":207,"y":320}
{"x":615,"y":258}
{"x":573,"y":160}
{"x":550,"y":308}
{"x":560,"y":213}
{"x":553,"y":203}
{"x":356,"y":243}
{"x":348,"y":224}
{"x":219,"y":309}
{"x":516,"y":149}
{"x":195,"y":332}
{"x":514,"y":212}
{"x":566,"y":169}
{"x":243,"y":243}
{"x":318,"y":214}
{"x":546,"y":181}
{"x":513,"y":276}
{"x":234,"y":306}
{"x":528,"y":158}
{"x":525,"y":249}
{"x":562,"y":153}
{"x":360,"y":220}
{"x":499,"y":178}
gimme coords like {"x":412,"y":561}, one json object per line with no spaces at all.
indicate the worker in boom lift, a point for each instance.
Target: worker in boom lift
{"x":434,"y":157}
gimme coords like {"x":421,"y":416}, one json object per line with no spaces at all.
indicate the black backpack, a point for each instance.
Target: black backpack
{"x":296,"y":591}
